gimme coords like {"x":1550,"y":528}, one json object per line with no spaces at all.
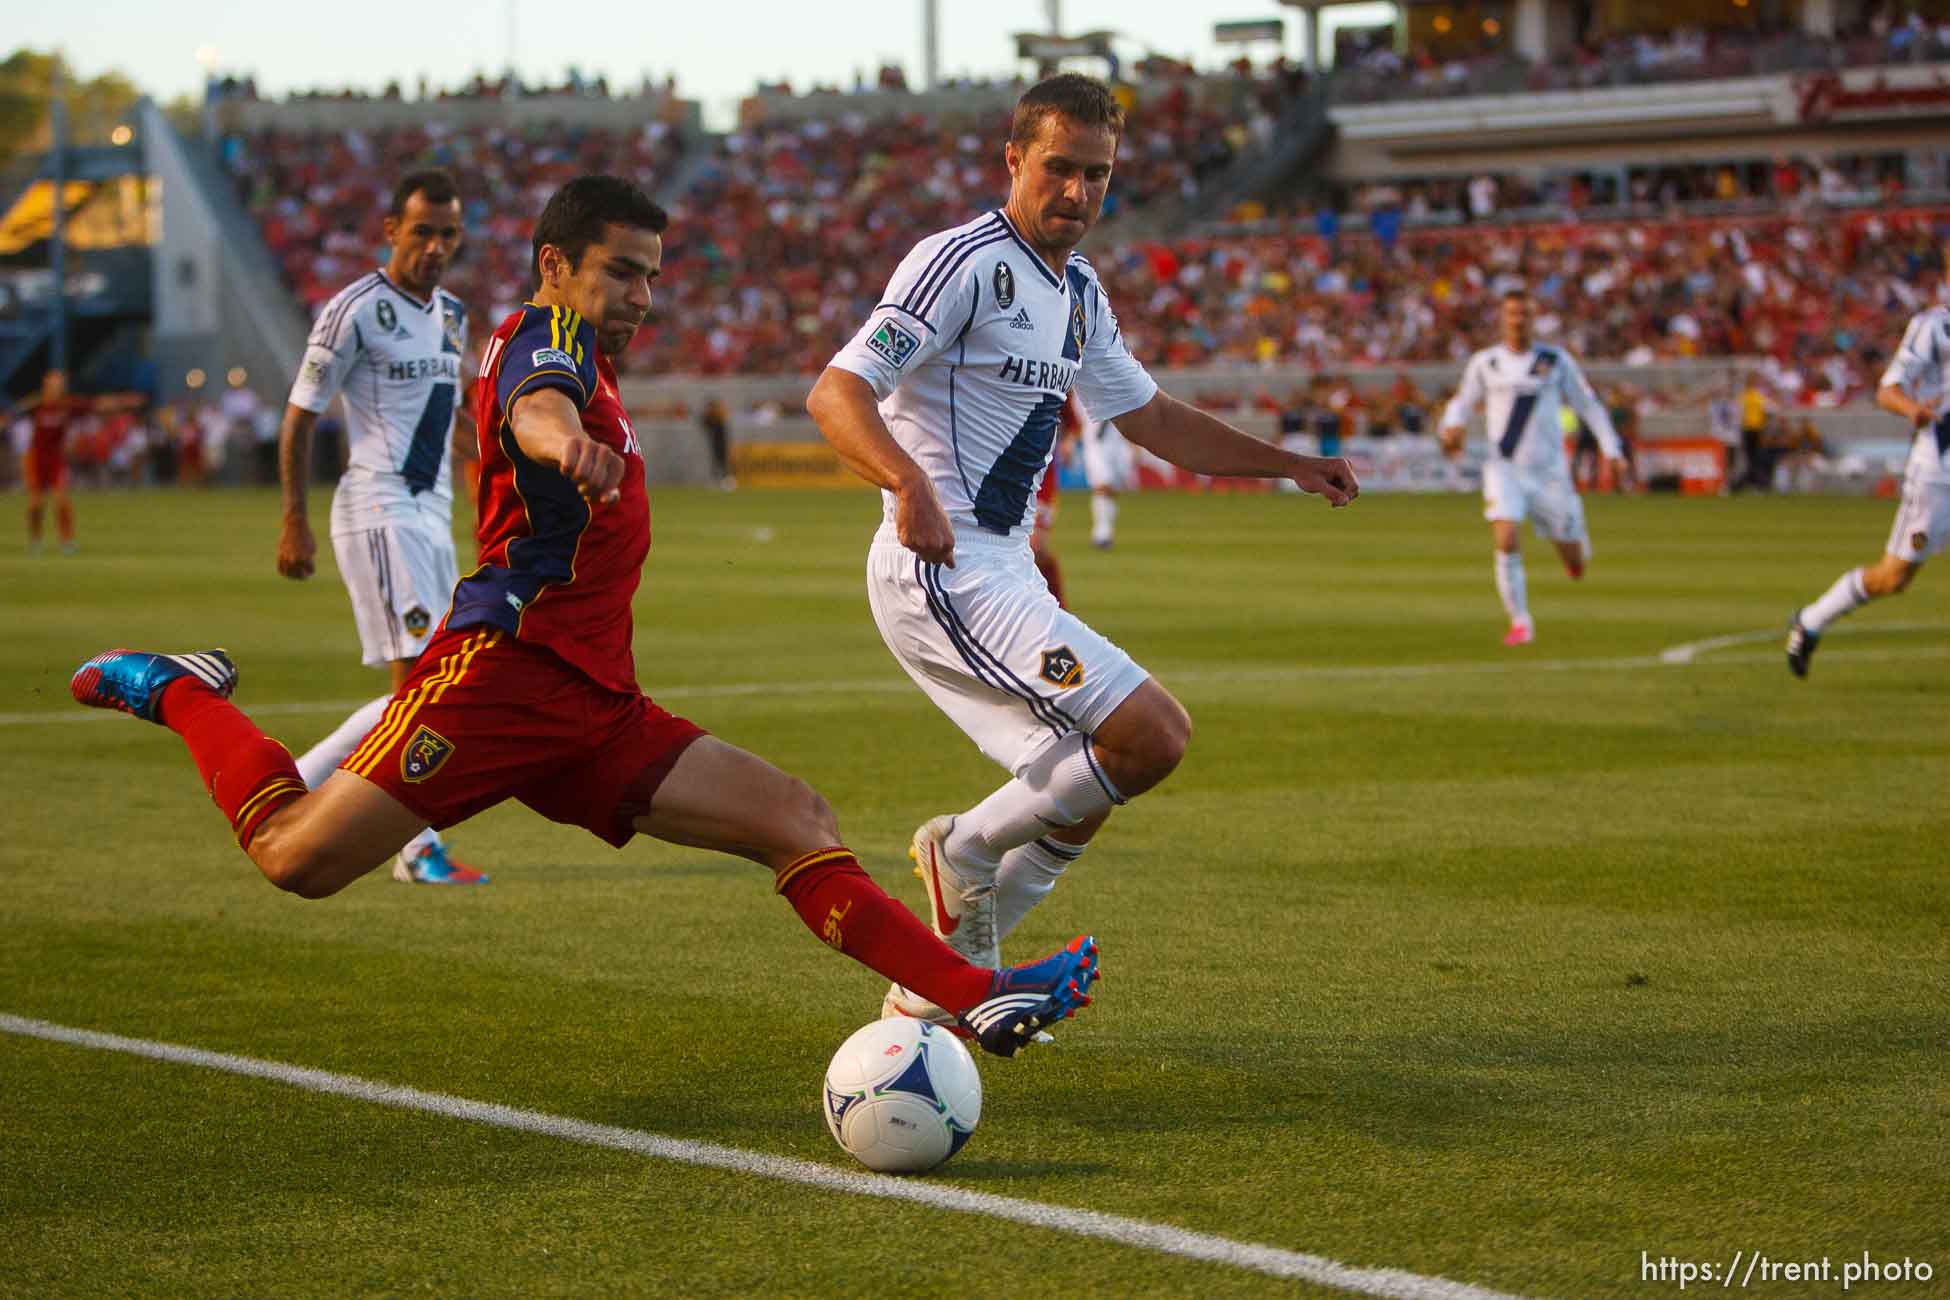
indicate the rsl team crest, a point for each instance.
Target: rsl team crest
{"x":423,"y":754}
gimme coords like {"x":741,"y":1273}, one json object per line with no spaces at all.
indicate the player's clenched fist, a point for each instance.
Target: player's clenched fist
{"x":296,"y":549}
{"x":596,"y":470}
{"x":1329,"y":476}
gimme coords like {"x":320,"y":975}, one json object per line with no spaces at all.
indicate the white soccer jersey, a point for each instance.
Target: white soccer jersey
{"x":972,"y":351}
{"x":397,"y":361}
{"x":1917,"y":368}
{"x":1523,"y":392}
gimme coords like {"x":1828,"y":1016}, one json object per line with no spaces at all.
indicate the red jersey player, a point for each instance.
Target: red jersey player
{"x":52,"y":415}
{"x":528,"y":689}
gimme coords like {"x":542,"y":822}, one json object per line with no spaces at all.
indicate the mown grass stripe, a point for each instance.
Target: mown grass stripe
{"x":1138,"y":1233}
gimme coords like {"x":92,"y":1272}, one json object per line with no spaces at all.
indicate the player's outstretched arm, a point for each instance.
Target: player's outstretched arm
{"x":296,"y":545}
{"x":1205,"y":444}
{"x":548,"y":429}
{"x":842,"y":405}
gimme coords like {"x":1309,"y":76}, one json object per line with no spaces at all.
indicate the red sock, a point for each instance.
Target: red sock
{"x":843,"y":906}
{"x":248,"y":774}
{"x":64,"y":520}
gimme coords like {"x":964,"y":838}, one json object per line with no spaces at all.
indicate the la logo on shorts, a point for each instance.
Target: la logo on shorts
{"x":425,"y":751}
{"x":1061,"y":668}
{"x":417,"y":620}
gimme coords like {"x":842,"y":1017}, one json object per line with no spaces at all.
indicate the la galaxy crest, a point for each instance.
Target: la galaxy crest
{"x":449,"y":330}
{"x":1005,"y":286}
{"x":416,"y":621}
{"x":425,"y":751}
{"x":1062,"y":668}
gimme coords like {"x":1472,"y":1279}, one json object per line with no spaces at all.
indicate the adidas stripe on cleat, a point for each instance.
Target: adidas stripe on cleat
{"x":1023,"y":999}
{"x":134,"y":680}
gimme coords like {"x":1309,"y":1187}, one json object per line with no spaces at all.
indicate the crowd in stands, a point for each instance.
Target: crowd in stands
{"x":1381,"y":73}
{"x":320,"y":199}
{"x":574,"y":85}
{"x":1822,"y":295}
{"x":784,"y":235}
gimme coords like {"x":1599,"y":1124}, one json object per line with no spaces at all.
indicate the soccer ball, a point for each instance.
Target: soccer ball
{"x":902,"y":1095}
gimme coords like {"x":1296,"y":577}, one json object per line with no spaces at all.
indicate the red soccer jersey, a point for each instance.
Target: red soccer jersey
{"x":555,"y":571}
{"x":51,"y":420}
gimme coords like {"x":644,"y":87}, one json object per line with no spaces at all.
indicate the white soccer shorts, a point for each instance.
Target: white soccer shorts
{"x":1548,"y":499}
{"x":992,"y":648}
{"x":400,"y":576}
{"x":1922,"y":526}
{"x":1107,"y":461}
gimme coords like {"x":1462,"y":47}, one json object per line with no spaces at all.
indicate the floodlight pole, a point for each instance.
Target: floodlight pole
{"x":57,"y":252}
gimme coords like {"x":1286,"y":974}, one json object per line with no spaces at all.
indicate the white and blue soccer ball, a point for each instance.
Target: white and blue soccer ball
{"x":902,"y":1095}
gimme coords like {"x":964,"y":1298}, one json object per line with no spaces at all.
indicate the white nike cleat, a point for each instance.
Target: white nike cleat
{"x":962,"y":901}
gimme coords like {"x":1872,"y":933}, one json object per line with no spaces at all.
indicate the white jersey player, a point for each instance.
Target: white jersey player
{"x":948,"y":398}
{"x":1107,"y":465}
{"x":391,"y":345}
{"x":1523,"y":387}
{"x":1912,"y":387}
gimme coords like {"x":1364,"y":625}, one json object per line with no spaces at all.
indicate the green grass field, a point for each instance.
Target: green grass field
{"x":1505,"y":967}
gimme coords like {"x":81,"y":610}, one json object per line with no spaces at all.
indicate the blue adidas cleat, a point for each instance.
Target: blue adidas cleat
{"x":1025,"y":998}
{"x":431,"y":865}
{"x":133,"y":680}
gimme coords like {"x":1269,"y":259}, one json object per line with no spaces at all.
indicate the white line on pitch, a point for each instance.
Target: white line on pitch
{"x":1137,"y":1233}
{"x":1678,"y":656}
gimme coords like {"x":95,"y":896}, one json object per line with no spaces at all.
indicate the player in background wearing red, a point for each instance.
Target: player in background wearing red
{"x":52,"y":415}
{"x":528,"y":689}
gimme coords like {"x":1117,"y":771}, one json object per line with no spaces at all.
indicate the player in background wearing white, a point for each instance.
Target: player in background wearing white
{"x":1913,"y":388}
{"x":1522,"y":384}
{"x":1107,"y":465}
{"x":391,"y":343}
{"x":948,"y":399}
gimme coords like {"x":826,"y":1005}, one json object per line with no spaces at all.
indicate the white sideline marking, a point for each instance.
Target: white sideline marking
{"x":1138,"y":1233}
{"x":1677,"y":656}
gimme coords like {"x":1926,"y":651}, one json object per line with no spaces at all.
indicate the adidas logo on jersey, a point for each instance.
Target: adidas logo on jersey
{"x":1021,"y":320}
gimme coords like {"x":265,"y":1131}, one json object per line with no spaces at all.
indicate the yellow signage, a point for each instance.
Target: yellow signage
{"x":790,"y":464}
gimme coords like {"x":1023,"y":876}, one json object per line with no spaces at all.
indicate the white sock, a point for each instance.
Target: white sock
{"x":1510,"y":586}
{"x":1029,"y":872}
{"x":1060,"y":787}
{"x":319,"y":761}
{"x":322,"y":759}
{"x":1103,"y":516}
{"x":1847,"y":595}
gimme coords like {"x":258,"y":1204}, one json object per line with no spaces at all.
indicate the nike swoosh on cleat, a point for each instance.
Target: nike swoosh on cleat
{"x":943,"y":922}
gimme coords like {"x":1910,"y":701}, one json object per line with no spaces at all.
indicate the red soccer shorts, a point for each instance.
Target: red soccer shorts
{"x":485,"y":717}
{"x":46,"y":471}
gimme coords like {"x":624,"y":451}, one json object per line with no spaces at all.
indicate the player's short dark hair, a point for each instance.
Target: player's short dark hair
{"x":1516,"y":291}
{"x":436,"y":183}
{"x":580,"y":213}
{"x":1084,"y":100}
